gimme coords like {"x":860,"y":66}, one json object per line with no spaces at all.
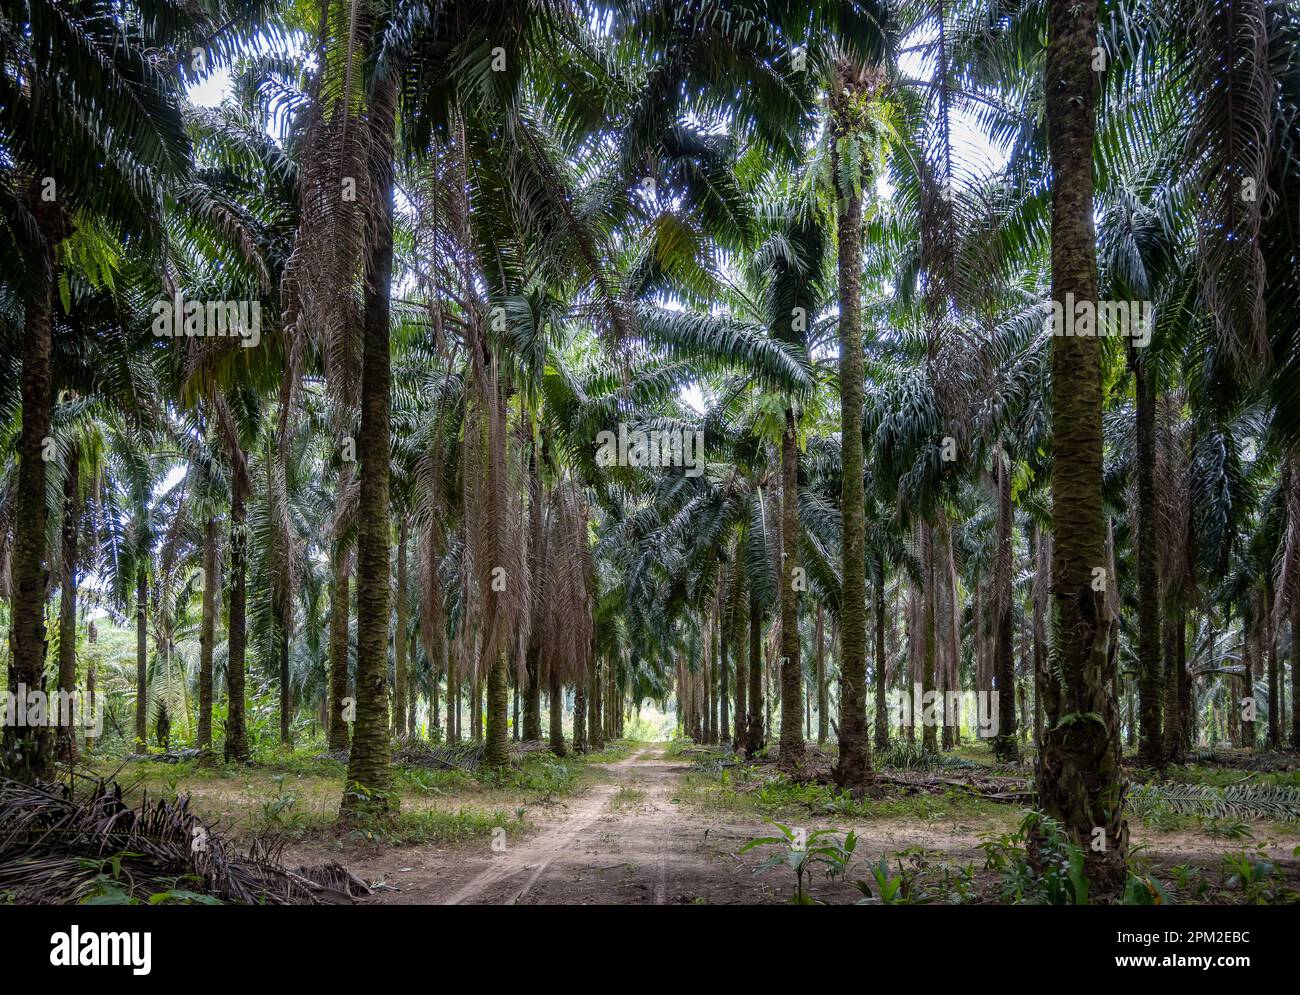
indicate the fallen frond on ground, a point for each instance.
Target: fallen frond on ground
{"x":1238,"y":801}
{"x":61,"y":848}
{"x":171,"y":757}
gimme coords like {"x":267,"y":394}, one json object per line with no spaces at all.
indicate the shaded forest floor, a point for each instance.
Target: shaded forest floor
{"x":663,"y":823}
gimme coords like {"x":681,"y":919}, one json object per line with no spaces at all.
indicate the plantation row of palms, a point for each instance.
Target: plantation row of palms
{"x":482,"y":234}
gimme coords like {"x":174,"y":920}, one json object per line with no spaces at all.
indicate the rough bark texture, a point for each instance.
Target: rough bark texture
{"x":476,"y":710}
{"x":1079,"y":783}
{"x":90,"y":703}
{"x":435,"y":705}
{"x":1150,"y":743}
{"x":882,"y":711}
{"x":1252,"y":646}
{"x":595,"y":732}
{"x":27,"y":751}
{"x":710,"y":702}
{"x":1295,"y":666}
{"x":823,"y":723}
{"x":236,"y":745}
{"x":1274,"y":698}
{"x":720,"y":641}
{"x":533,"y":692}
{"x":1175,"y":625}
{"x":755,"y":739}
{"x":792,"y":741}
{"x":496,"y":747}
{"x":557,"y":714}
{"x":338,"y":726}
{"x":453,"y":698}
{"x":369,"y":770}
{"x":400,"y":681}
{"x":207,"y":640}
{"x":616,"y":697}
{"x":579,"y":716}
{"x":141,"y":659}
{"x":1005,"y":747}
{"x":286,"y":688}
{"x":738,"y":626}
{"x":1042,"y":569}
{"x":853,"y":771}
{"x":67,"y":732}
{"x":929,"y":606}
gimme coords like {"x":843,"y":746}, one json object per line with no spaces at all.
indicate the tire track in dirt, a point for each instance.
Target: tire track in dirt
{"x":540,"y":852}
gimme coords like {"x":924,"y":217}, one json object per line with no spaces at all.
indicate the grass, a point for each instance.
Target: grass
{"x":749,"y":791}
{"x":627,"y":797}
{"x":431,"y":826}
{"x":678,"y":747}
{"x":297,"y":795}
{"x":613,"y":752}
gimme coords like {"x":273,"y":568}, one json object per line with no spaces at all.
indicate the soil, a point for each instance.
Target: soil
{"x":630,"y":840}
{"x":625,"y":842}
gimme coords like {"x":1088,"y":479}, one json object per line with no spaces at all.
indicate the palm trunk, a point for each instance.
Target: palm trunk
{"x":1252,"y":645}
{"x":90,"y":703}
{"x":453,"y":698}
{"x":236,"y":747}
{"x":27,"y":753}
{"x":882,"y":710}
{"x":1295,"y":669}
{"x":1150,"y":745}
{"x":496,"y":746}
{"x":792,"y":752}
{"x":1274,"y":698}
{"x":952,"y":639}
{"x":476,"y":709}
{"x":594,"y":729}
{"x":617,"y":697}
{"x":613,"y":702}
{"x":67,"y":733}
{"x":1005,"y":747}
{"x":207,"y":634}
{"x":853,"y":772}
{"x":435,"y":700}
{"x":580,"y":714}
{"x":738,"y":621}
{"x":1173,"y":719}
{"x":754,"y":735}
{"x":400,"y":677}
{"x":710,"y":715}
{"x":286,"y":691}
{"x":533,"y":693}
{"x":929,"y":734}
{"x":339,"y":612}
{"x":141,"y":660}
{"x":1042,"y":585}
{"x":369,"y":771}
{"x":514,"y":724}
{"x":819,"y":637}
{"x":724,"y":690}
{"x":1079,"y":781}
{"x":557,"y":714}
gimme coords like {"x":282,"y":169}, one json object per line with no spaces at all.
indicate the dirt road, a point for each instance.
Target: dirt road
{"x":626,"y":841}
{"x":629,"y":840}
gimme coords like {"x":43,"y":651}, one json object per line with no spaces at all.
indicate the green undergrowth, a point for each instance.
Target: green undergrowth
{"x":761,"y":792}
{"x":297,"y":796}
{"x":612,"y":752}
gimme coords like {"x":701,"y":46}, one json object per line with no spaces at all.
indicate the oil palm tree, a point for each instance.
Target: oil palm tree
{"x":116,"y":130}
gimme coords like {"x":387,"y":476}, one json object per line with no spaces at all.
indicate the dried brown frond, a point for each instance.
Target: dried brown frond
{"x":57,"y":849}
